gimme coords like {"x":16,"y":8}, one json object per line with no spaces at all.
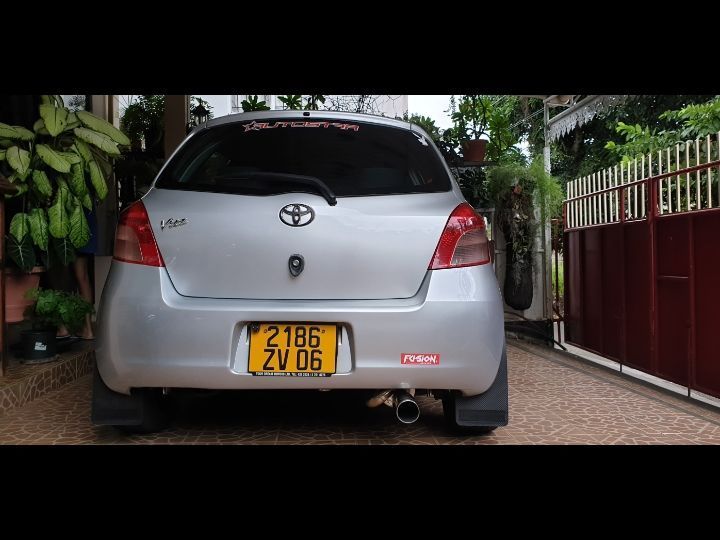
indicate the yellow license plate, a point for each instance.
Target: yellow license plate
{"x":293,"y":350}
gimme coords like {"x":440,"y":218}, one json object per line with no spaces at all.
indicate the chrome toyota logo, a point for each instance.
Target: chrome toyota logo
{"x":297,"y":215}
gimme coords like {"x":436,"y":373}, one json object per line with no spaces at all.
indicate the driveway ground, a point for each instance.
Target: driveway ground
{"x":554,"y":399}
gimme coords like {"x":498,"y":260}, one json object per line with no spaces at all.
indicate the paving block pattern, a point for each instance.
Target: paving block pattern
{"x":554,"y":399}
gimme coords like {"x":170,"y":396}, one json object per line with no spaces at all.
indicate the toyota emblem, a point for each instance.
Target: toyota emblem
{"x":297,"y":215}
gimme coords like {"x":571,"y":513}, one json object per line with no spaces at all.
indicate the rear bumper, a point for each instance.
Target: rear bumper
{"x":150,"y":336}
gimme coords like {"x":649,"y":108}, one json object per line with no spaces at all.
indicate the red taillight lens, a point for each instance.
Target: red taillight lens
{"x":463,"y":242}
{"x":134,"y":239}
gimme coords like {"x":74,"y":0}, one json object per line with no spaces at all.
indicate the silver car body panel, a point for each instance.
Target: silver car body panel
{"x":236,"y":246}
{"x":186,"y":325}
{"x":151,"y":336}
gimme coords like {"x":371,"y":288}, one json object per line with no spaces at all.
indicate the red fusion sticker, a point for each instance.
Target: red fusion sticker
{"x":420,"y":359}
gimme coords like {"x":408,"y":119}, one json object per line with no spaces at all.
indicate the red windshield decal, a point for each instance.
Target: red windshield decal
{"x":257,"y":126}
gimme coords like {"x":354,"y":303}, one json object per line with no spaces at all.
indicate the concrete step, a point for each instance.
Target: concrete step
{"x":25,"y":382}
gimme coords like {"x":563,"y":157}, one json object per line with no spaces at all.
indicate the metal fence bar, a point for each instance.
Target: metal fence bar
{"x":617,"y":195}
{"x":594,"y":189}
{"x":677,"y":177}
{"x":687,"y":176}
{"x":568,"y":215}
{"x":698,"y":202}
{"x":605,"y":205}
{"x":709,"y":175}
{"x":635,"y":177}
{"x":643,"y":212}
{"x":586,"y":209}
{"x":669,"y":168}
{"x":662,"y":192}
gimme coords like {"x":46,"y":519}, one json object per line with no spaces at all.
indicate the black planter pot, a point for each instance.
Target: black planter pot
{"x":518,"y":280}
{"x":38,"y":345}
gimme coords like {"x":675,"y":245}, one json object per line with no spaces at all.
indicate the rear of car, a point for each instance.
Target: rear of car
{"x":302,"y":250}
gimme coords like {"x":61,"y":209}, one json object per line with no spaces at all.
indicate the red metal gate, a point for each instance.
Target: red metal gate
{"x":642,"y":264}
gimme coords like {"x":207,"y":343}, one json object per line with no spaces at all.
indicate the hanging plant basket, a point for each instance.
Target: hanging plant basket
{"x":518,"y":290}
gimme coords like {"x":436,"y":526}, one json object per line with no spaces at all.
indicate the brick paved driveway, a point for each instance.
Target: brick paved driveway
{"x":554,"y":399}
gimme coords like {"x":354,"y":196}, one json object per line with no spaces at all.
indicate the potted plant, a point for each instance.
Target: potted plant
{"x":253,"y":103}
{"x":516,"y":191}
{"x":57,"y":168}
{"x":470,"y":124}
{"x":52,"y":309}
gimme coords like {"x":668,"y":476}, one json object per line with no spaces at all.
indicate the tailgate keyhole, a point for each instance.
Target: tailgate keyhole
{"x":296,"y":264}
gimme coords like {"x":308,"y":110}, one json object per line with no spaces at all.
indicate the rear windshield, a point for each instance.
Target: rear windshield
{"x":271,"y":157}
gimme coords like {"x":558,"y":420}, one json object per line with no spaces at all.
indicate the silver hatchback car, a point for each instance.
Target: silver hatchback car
{"x":303,"y":250}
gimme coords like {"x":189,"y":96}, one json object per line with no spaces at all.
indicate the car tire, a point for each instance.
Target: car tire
{"x":456,"y":429}
{"x":143,"y":411}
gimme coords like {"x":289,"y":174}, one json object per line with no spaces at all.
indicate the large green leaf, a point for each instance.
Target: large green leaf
{"x":19,"y":226}
{"x":24,"y":134}
{"x":102,"y":160}
{"x":76,"y":180}
{"x":8,"y":132}
{"x":20,"y":188}
{"x":39,"y":127}
{"x":2,"y":155}
{"x":98,"y":180}
{"x":83,"y":149}
{"x":18,"y":159}
{"x":102,"y":126}
{"x":52,"y":158}
{"x":64,"y":249}
{"x":87,"y":202}
{"x":59,"y":225}
{"x":79,"y":228}
{"x":6,"y":143}
{"x":102,"y":141}
{"x":21,"y":252}
{"x":42,"y":184}
{"x":39,"y":228}
{"x":70,"y":157}
{"x":72,"y":122}
{"x":71,"y":201}
{"x":55,"y":118}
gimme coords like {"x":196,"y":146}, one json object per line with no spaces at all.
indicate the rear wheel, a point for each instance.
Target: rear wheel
{"x":449,"y":410}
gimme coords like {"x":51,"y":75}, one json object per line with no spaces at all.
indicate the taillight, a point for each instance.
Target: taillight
{"x":463,"y":242}
{"x":134,"y":239}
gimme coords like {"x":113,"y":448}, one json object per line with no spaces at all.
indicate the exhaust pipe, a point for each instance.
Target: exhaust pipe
{"x":406,"y":408}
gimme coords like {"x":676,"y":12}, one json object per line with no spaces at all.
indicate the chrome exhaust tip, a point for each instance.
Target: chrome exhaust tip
{"x":406,"y":408}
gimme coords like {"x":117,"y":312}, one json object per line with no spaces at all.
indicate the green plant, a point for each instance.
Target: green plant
{"x":55,"y":308}
{"x":252,"y":103}
{"x":199,"y":105}
{"x":58,"y":168}
{"x":144,"y":120}
{"x":516,"y":191}
{"x":427,"y":123}
{"x":694,"y":121}
{"x":312,"y":103}
{"x":471,"y":118}
{"x":291,"y":102}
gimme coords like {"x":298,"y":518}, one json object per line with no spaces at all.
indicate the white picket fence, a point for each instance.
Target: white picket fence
{"x":688,"y":176}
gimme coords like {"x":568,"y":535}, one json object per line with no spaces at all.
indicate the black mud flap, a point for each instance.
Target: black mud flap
{"x":110,"y":408}
{"x":488,"y":409}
